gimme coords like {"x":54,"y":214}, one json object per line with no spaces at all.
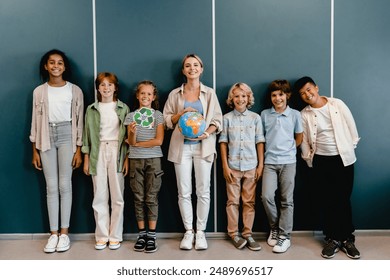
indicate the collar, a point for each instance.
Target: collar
{"x":181,"y":89}
{"x":329,"y":99}
{"x":119,"y":104}
{"x":286,"y":112}
{"x":237,"y":113}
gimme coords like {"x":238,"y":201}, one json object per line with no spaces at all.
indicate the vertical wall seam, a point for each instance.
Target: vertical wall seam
{"x":94,"y":42}
{"x":331,"y":47}
{"x":215,"y":89}
{"x":214,"y":86}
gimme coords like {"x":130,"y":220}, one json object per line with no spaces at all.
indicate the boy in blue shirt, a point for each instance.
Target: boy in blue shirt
{"x":242,"y":154}
{"x":283,"y":134}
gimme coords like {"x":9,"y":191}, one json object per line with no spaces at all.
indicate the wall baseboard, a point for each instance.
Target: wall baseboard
{"x":178,"y":235}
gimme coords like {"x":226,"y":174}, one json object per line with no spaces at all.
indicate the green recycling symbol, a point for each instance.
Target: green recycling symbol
{"x":144,"y":117}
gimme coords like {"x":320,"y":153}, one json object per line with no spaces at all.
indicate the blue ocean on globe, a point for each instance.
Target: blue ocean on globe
{"x":192,"y":124}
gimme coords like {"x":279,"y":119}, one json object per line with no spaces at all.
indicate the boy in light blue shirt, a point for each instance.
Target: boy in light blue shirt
{"x":283,"y":134}
{"x":242,"y":154}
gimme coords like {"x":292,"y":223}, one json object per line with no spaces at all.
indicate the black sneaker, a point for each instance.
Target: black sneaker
{"x":151,"y":245}
{"x":330,"y":249}
{"x":349,"y":248}
{"x":140,"y":245}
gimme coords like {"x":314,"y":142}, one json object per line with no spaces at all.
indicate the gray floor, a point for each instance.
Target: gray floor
{"x":373,"y":245}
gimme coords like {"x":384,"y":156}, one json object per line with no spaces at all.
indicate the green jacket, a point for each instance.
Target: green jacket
{"x":91,"y":140}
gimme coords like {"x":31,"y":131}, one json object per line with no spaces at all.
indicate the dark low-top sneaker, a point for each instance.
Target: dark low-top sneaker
{"x":330,"y":249}
{"x":151,"y":245}
{"x":252,"y":244}
{"x":140,"y":245}
{"x":239,"y":242}
{"x":349,"y":248}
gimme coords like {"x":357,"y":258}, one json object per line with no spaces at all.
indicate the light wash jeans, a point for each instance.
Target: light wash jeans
{"x":282,"y":177}
{"x":57,"y":168}
{"x":191,"y":157}
{"x":108,"y":183}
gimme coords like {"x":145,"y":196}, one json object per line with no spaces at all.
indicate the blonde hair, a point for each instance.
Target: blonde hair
{"x":191,"y":55}
{"x":244,"y":87}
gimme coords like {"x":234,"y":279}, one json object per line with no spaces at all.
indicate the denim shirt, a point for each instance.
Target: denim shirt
{"x":242,"y":131}
{"x":91,"y":139}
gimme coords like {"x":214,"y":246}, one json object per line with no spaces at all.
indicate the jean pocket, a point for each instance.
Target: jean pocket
{"x":159,"y":173}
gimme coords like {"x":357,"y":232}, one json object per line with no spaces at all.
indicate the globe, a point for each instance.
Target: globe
{"x":192,"y":124}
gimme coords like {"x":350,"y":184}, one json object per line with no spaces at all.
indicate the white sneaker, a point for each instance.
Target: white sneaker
{"x":100,"y":245}
{"x":114,"y":245}
{"x":187,"y":241}
{"x":200,"y":241}
{"x":273,"y":237}
{"x":63,"y":243}
{"x":282,"y":245}
{"x":51,"y":244}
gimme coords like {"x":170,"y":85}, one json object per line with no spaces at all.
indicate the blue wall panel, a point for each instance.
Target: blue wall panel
{"x":28,"y":29}
{"x":140,"y":40}
{"x":260,"y":41}
{"x":362,"y":60}
{"x":256,"y":42}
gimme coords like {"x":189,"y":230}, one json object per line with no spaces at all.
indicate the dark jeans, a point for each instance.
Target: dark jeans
{"x":335,"y":184}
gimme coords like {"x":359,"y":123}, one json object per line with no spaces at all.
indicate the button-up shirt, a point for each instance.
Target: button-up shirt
{"x":344,"y":128}
{"x":242,"y":131}
{"x":91,"y":135}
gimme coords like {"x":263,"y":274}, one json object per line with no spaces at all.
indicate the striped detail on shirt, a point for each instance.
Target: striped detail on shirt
{"x":145,"y":134}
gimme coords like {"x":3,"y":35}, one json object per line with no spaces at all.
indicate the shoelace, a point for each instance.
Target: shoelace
{"x":199,"y":237}
{"x":188,"y":236}
{"x":274,"y":234}
{"x":62,"y":239}
{"x":250,"y":239}
{"x":280,"y":242}
{"x":349,"y":245}
{"x":53,"y":237}
{"x":332,"y":244}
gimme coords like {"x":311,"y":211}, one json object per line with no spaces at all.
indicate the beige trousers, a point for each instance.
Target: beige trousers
{"x":108,"y":183}
{"x":243,"y":187}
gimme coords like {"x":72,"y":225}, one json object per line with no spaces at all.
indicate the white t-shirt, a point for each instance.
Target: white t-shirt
{"x":109,"y":122}
{"x":326,"y":141}
{"x":60,"y":103}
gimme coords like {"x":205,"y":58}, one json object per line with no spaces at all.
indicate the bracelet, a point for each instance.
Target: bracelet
{"x":207,"y":134}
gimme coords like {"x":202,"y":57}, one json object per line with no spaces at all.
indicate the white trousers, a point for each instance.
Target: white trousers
{"x":191,"y":157}
{"x":108,"y":183}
